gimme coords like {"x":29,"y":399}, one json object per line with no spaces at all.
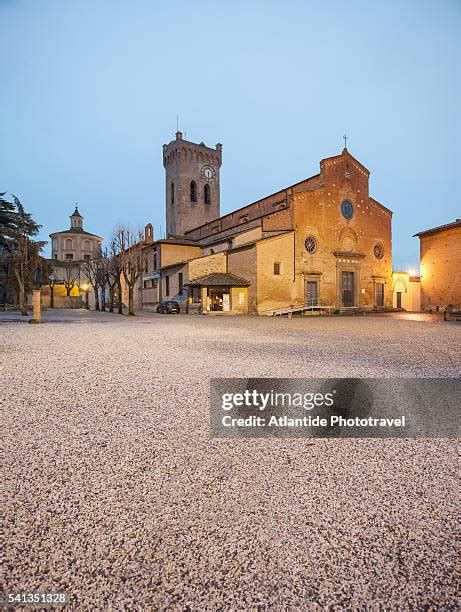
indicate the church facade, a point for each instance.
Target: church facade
{"x":322,"y":243}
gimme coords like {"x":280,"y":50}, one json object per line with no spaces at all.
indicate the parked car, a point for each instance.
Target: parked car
{"x":168,"y":307}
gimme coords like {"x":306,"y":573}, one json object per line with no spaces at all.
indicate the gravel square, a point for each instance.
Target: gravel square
{"x":116,"y":494}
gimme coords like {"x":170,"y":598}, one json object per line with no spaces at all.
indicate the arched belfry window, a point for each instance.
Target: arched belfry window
{"x":172,"y":193}
{"x":193,"y":191}
{"x":207,"y":195}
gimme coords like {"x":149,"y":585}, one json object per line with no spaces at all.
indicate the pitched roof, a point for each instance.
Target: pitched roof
{"x":75,"y":230}
{"x":219,"y":279}
{"x":76,"y":213}
{"x":440,"y":228}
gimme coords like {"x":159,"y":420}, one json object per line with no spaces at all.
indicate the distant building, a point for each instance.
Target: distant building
{"x":69,"y":249}
{"x":323,"y":241}
{"x":440,"y":260}
{"x":407,"y":291}
{"x":74,"y":244}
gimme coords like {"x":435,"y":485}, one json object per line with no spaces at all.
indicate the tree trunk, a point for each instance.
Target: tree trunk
{"x":111,"y":298}
{"x":96,"y":298}
{"x":68,"y":290}
{"x":130,"y":301}
{"x":119,"y":291}
{"x":103,"y":298}
{"x":52,"y":296}
{"x":22,"y":299}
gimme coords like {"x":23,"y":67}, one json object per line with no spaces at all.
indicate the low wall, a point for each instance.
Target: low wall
{"x":63,"y":301}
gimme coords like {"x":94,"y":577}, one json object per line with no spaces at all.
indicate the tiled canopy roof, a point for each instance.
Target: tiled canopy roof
{"x":219,"y":279}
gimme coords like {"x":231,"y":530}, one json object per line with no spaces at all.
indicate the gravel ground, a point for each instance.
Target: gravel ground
{"x":116,"y":494}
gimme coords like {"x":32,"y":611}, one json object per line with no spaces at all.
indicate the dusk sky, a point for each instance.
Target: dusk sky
{"x":91,"y":90}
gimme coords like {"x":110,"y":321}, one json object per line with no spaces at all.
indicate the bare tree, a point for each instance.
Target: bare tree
{"x":101,"y":268}
{"x":131,"y":250}
{"x":90,"y":268}
{"x":116,"y":271}
{"x":71,"y":274}
{"x":52,"y":281}
{"x":112,"y":274}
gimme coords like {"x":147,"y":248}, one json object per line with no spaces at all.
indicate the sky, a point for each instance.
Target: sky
{"x":91,"y":90}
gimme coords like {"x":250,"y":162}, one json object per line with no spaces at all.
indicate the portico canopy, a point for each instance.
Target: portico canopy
{"x":219,"y":279}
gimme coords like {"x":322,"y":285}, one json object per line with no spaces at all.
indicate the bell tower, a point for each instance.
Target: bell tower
{"x":192,"y":184}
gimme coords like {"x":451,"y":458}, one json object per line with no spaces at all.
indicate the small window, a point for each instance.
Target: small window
{"x":69,"y":256}
{"x":193,"y":192}
{"x":167,"y":286}
{"x":277,"y":267}
{"x":86,"y":257}
{"x":180,"y":282}
{"x":172,"y":193}
{"x":379,"y":251}
{"x":207,"y":195}
{"x":347,"y":210}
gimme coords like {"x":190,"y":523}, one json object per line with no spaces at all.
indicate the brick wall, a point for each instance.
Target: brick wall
{"x":441,"y":269}
{"x":317,"y":213}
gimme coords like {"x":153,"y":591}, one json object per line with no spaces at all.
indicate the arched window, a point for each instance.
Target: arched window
{"x":172,"y":193}
{"x":206,"y":194}
{"x":193,"y":192}
{"x":68,"y":243}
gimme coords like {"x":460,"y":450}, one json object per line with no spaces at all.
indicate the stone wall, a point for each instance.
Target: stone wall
{"x":275,"y":291}
{"x":242,"y":262}
{"x":175,"y":253}
{"x":207,"y":265}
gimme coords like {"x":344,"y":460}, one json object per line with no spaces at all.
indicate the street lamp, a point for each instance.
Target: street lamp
{"x":85,"y":288}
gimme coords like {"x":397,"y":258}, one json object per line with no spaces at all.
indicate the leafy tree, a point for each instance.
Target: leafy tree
{"x":19,"y":248}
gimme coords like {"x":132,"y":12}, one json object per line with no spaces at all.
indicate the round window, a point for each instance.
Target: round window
{"x":347,"y":210}
{"x":379,"y":251}
{"x":311,"y":244}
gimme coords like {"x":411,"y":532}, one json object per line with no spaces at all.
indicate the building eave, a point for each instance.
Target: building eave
{"x":439,"y":229}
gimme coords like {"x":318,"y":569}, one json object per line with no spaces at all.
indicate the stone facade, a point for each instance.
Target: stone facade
{"x":440,"y":260}
{"x":192,"y":184}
